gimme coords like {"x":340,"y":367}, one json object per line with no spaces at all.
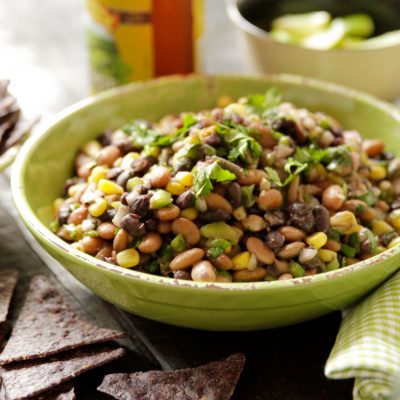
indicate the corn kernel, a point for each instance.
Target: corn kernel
{"x":377,"y":173}
{"x":126,"y":161}
{"x":395,"y":242}
{"x":98,"y":173}
{"x":317,"y":240}
{"x":185,"y":178}
{"x":72,"y":190}
{"x":241,"y":260}
{"x":189,"y":213}
{"x":136,"y":181}
{"x":379,"y":227}
{"x":92,"y":148}
{"x":394,"y":219}
{"x":175,"y":188}
{"x":326,"y":255}
{"x":345,"y":222}
{"x":98,"y":208}
{"x":128,"y":258}
{"x":240,"y":213}
{"x":223,"y":101}
{"x":334,"y":264}
{"x":151,"y":151}
{"x":115,"y":204}
{"x":228,"y":249}
{"x":109,"y":187}
{"x":57,"y":205}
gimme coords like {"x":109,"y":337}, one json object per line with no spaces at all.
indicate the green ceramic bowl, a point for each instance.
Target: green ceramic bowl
{"x":45,"y":162}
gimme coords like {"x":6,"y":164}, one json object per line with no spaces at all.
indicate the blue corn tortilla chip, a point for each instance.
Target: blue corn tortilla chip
{"x":8,"y":281}
{"x":46,"y":326}
{"x":24,"y":380}
{"x":214,"y":381}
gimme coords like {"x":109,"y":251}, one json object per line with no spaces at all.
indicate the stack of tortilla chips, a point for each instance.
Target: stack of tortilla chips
{"x":50,"y":345}
{"x":13,"y":127}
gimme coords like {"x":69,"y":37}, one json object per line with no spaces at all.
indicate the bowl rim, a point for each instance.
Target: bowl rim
{"x":245,"y":25}
{"x":42,"y":233}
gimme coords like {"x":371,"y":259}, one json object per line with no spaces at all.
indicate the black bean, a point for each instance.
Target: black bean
{"x":321,"y":219}
{"x":108,"y":215}
{"x":315,"y":262}
{"x":125,"y":145}
{"x":142,"y":164}
{"x":151,"y":224}
{"x":275,"y":218}
{"x":123,"y":198}
{"x":234,"y":194}
{"x":133,"y":225}
{"x":63,"y":214}
{"x":124,"y":176}
{"x":214,"y":215}
{"x":301,"y":216}
{"x":213,"y":139}
{"x":274,"y":240}
{"x":71,"y":182}
{"x":140,"y":204}
{"x":114,"y":172}
{"x":289,"y":128}
{"x":182,"y":275}
{"x":185,"y":200}
{"x":387,"y":237}
{"x":105,"y":138}
{"x":365,"y":246}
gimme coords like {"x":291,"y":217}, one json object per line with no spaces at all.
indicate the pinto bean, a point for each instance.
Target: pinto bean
{"x":333,"y":197}
{"x":293,"y":190}
{"x":246,"y":275}
{"x":373,"y":147}
{"x":121,"y":240}
{"x":203,"y":271}
{"x":159,"y":177}
{"x":150,"y":243}
{"x":108,"y":155}
{"x":106,"y":230}
{"x":78,"y":215}
{"x":223,"y":262}
{"x":291,"y":233}
{"x":254,"y":223}
{"x":187,"y":229}
{"x":260,"y":250}
{"x":291,"y":250}
{"x":168,"y":213}
{"x":215,"y":201}
{"x":186,"y":259}
{"x":269,"y":199}
{"x":91,"y":245}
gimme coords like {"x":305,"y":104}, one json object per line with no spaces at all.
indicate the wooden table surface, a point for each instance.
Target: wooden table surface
{"x":42,"y":50}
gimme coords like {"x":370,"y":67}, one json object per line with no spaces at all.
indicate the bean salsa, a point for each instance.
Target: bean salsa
{"x":253,"y":190}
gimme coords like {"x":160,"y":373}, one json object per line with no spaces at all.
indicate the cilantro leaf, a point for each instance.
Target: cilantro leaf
{"x":339,"y":157}
{"x":217,"y":247}
{"x":260,"y":103}
{"x":142,"y":135}
{"x":204,"y":176}
{"x":241,"y":144}
{"x":369,"y":197}
{"x":292,"y":167}
{"x":348,"y":251}
{"x":310,"y":155}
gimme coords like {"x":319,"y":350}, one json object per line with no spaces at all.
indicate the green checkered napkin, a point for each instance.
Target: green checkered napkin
{"x":367,"y":347}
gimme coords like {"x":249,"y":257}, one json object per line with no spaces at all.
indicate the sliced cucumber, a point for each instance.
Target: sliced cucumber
{"x":299,"y":26}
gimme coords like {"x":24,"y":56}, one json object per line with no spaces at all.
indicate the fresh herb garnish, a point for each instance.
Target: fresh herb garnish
{"x":339,"y":157}
{"x":310,"y":154}
{"x":212,"y":172}
{"x":241,"y":144}
{"x":217,"y":247}
{"x":260,"y":103}
{"x":292,"y":167}
{"x":369,"y":197}
{"x":348,"y":251}
{"x":142,"y":135}
{"x":248,"y":198}
{"x":372,"y":239}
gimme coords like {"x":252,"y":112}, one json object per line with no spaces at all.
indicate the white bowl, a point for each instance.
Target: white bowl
{"x":376,"y":71}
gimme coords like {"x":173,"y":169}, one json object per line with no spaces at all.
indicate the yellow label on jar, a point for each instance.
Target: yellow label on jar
{"x":136,"y":40}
